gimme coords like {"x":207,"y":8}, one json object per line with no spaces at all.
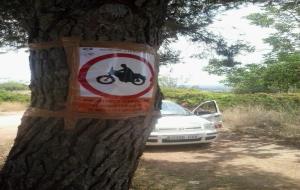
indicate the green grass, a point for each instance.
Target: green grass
{"x":193,"y":97}
{"x":14,"y":92}
{"x":289,"y":102}
{"x":12,"y":96}
{"x":13,"y":86}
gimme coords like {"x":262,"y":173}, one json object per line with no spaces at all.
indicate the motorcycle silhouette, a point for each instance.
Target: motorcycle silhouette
{"x":125,"y":75}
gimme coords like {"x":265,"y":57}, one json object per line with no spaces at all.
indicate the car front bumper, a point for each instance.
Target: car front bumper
{"x":159,"y":138}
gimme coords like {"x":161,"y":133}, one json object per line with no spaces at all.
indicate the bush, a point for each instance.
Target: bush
{"x":8,"y":96}
{"x":259,"y":122}
{"x":193,"y":97}
{"x":13,"y":86}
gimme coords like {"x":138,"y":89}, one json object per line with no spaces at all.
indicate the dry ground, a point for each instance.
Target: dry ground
{"x":8,"y":129}
{"x":12,"y":106}
{"x":233,"y":162}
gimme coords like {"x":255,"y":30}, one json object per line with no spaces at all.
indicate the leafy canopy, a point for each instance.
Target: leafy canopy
{"x":19,"y":21}
{"x":284,"y":18}
{"x":280,"y":71}
{"x":281,"y":76}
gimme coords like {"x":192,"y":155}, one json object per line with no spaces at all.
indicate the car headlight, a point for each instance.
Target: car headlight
{"x":209,"y":126}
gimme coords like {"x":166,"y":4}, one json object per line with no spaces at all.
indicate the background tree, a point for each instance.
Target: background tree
{"x":280,"y":71}
{"x":246,"y":80}
{"x":284,"y":74}
{"x":167,"y":82}
{"x":284,"y":18}
{"x":97,"y":153}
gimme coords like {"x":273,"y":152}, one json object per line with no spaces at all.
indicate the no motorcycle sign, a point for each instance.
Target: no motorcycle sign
{"x":115,"y":81}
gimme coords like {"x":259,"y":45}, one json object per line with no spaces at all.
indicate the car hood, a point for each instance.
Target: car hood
{"x":178,"y":121}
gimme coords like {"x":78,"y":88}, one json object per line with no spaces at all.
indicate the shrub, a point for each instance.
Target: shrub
{"x":8,"y":96}
{"x":259,"y":122}
{"x":13,"y":86}
{"x":193,"y":97}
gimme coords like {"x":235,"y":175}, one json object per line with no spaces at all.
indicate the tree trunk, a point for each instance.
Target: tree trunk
{"x":96,"y":154}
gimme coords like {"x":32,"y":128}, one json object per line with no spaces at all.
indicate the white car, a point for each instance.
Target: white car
{"x":178,"y":125}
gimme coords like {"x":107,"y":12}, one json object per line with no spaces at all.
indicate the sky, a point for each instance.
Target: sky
{"x":233,"y":26}
{"x":15,"y":64}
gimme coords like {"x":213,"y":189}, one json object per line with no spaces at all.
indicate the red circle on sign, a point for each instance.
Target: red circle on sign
{"x":85,"y":68}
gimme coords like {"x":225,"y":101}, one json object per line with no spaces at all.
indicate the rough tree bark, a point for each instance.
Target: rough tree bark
{"x":96,"y":154}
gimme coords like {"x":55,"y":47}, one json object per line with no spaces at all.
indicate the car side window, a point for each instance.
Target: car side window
{"x":206,"y":108}
{"x":169,"y":108}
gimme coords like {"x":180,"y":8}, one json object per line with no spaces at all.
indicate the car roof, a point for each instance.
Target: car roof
{"x":168,"y":101}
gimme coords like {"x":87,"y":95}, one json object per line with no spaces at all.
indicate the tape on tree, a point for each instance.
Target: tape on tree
{"x":108,"y":80}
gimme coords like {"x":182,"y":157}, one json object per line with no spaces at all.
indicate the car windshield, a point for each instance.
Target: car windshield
{"x":170,"y":108}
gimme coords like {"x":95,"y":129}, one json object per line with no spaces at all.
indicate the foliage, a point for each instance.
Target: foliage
{"x":14,"y":92}
{"x":247,"y":79}
{"x":193,"y":97}
{"x":226,"y":59}
{"x":191,"y":20}
{"x":284,"y":18}
{"x":8,"y":96}
{"x":13,"y":86}
{"x":280,"y":71}
{"x":283,"y":75}
{"x":167,"y":82}
{"x":19,"y":21}
{"x":167,"y":55}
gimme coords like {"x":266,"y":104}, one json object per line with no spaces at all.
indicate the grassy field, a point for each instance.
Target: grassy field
{"x":275,"y":115}
{"x":288,"y":102}
{"x":271,"y":115}
{"x":14,"y":96}
{"x":192,"y":97}
{"x":13,"y":100}
{"x":226,"y":165}
{"x":13,"y":86}
{"x":259,"y":122}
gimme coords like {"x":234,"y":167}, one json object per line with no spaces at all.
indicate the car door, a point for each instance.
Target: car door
{"x":210,"y":111}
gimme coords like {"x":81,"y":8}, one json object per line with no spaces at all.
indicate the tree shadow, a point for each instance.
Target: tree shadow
{"x":205,"y":168}
{"x":177,"y":148}
{"x":204,"y":175}
{"x":224,"y":146}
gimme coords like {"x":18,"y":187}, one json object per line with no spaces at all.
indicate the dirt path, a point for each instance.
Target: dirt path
{"x":8,"y":129}
{"x":233,"y":162}
{"x":9,"y":125}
